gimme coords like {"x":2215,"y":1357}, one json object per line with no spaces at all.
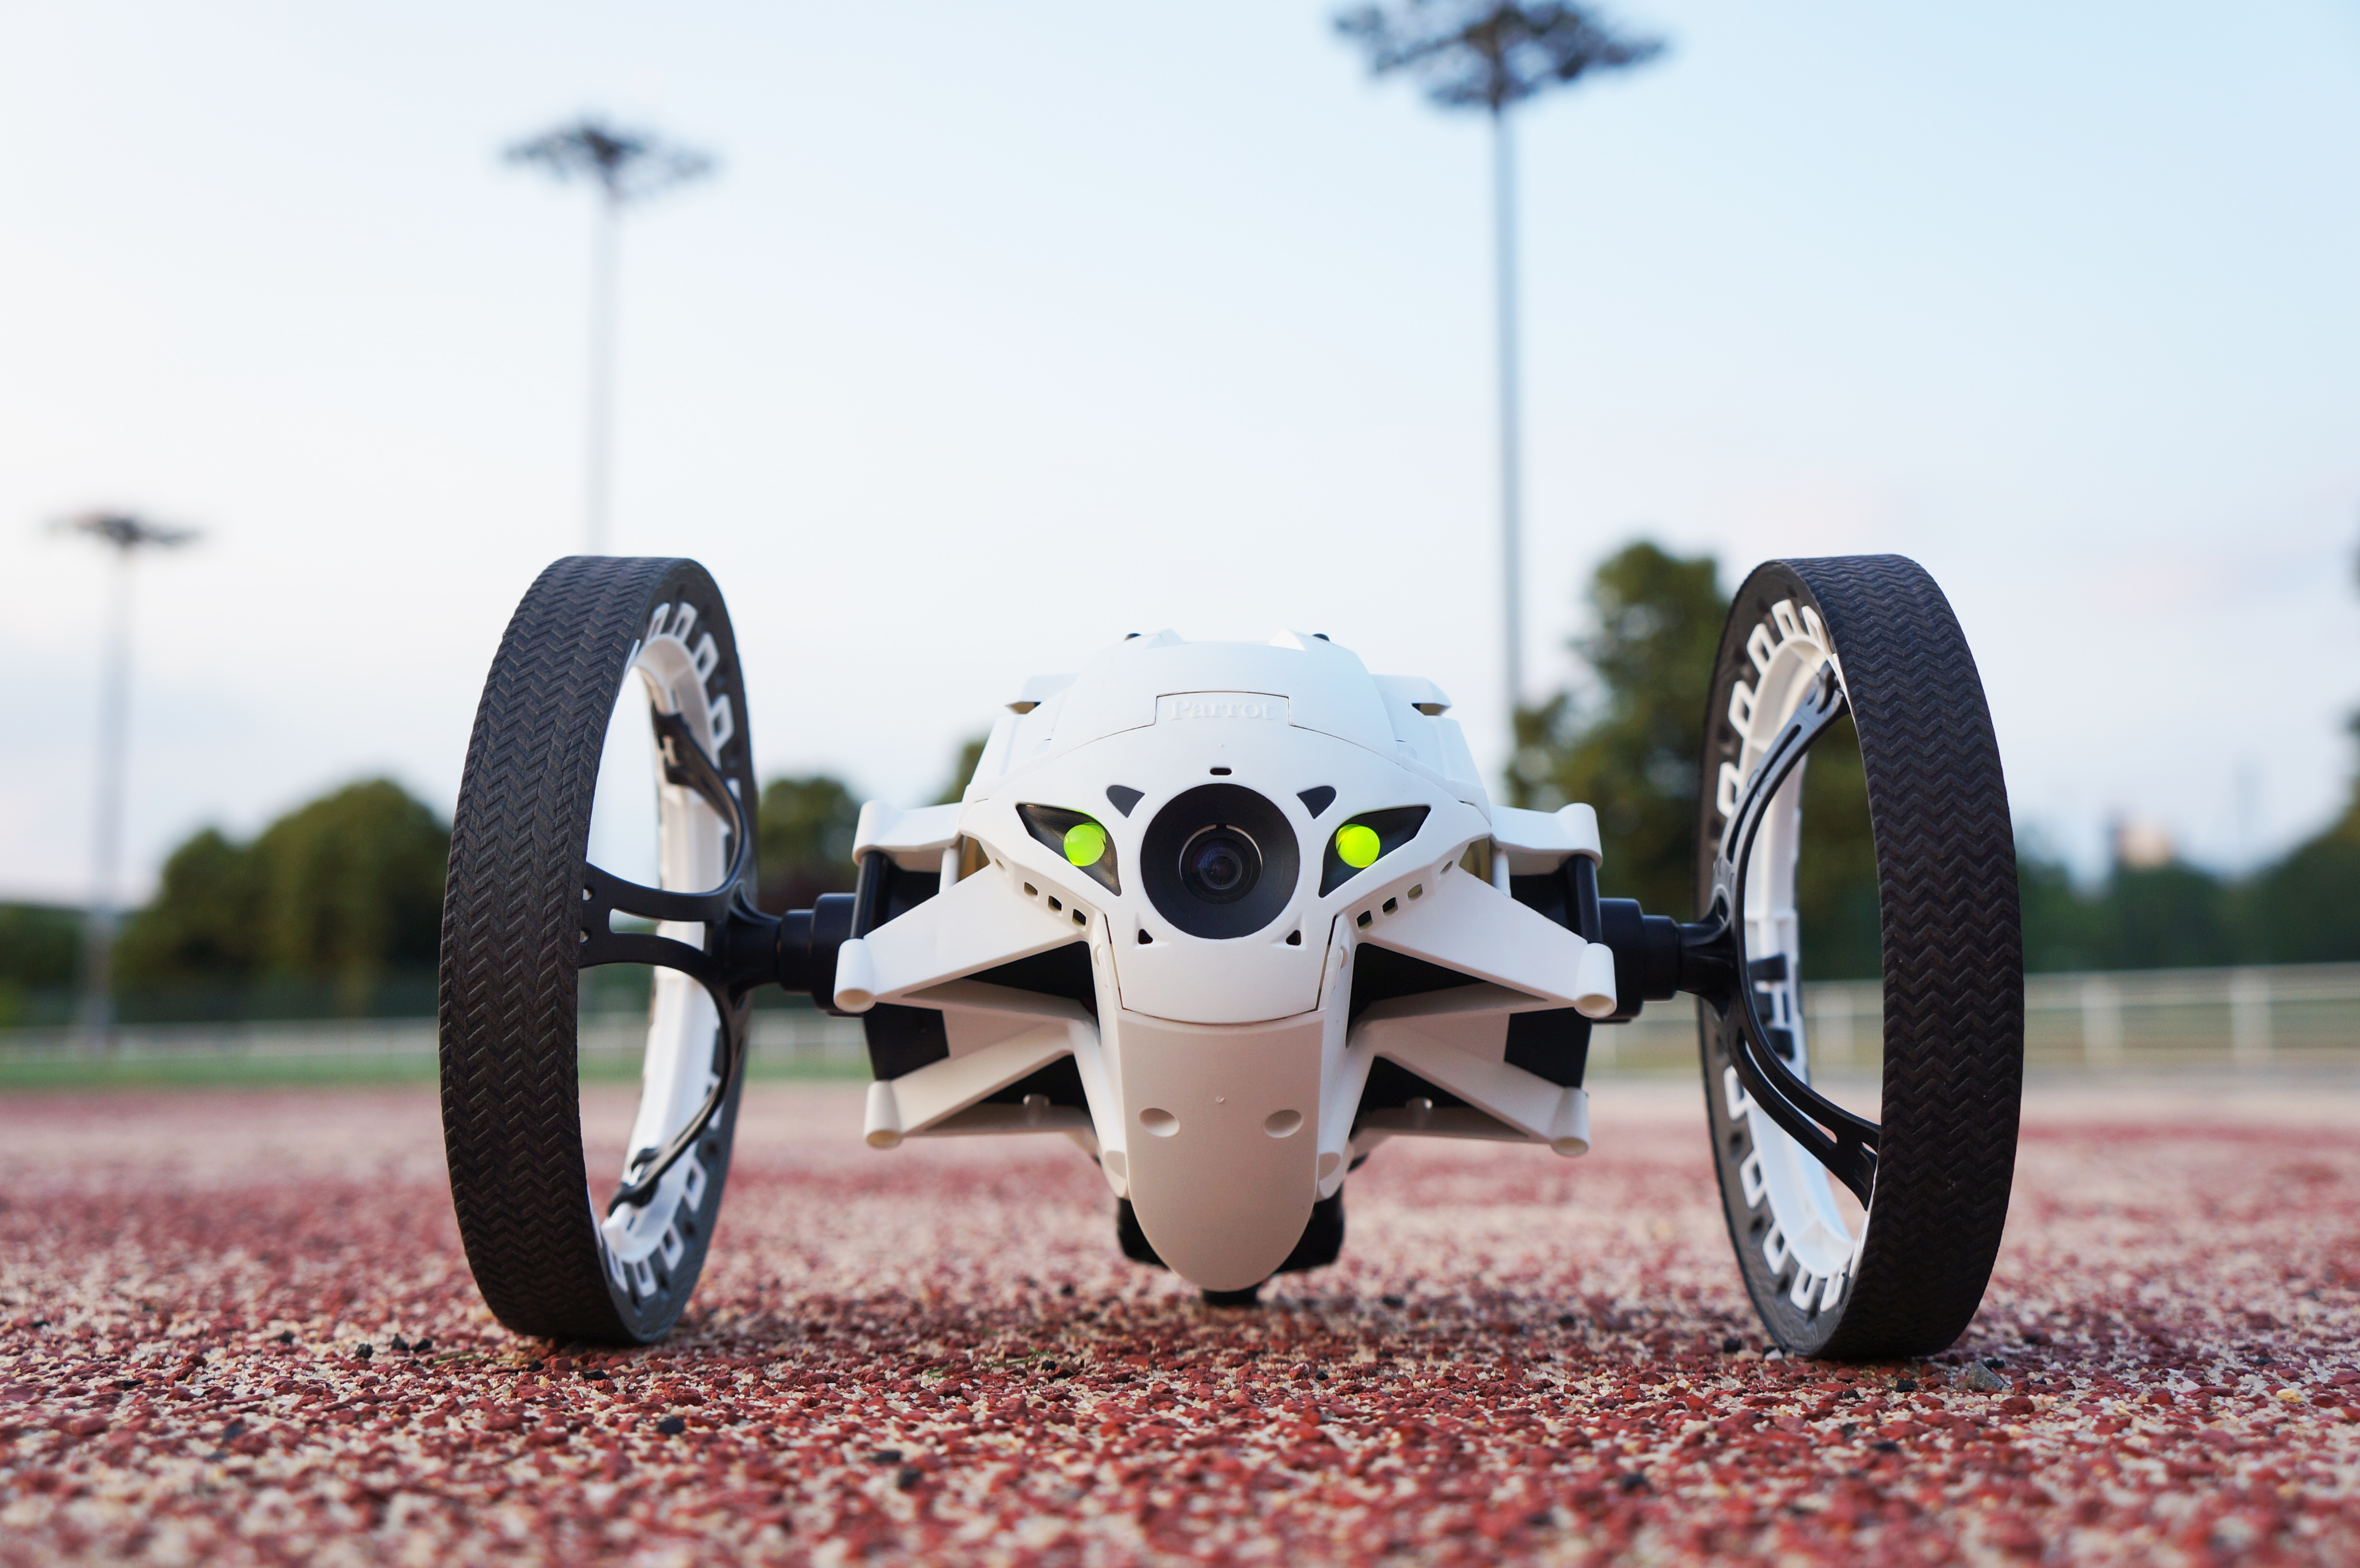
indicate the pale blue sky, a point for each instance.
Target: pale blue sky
{"x":1007,"y":330}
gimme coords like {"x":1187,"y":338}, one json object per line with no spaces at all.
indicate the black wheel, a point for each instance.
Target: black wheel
{"x":615,"y":712}
{"x":1807,"y":640}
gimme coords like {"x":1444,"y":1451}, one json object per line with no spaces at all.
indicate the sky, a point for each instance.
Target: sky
{"x":1004,"y":331}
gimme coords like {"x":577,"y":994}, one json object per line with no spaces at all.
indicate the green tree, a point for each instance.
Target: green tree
{"x":2172,"y":915}
{"x":806,"y":831}
{"x":1835,"y":879}
{"x":804,"y":835}
{"x":2064,"y":929}
{"x":203,"y":927}
{"x":351,"y":886}
{"x":345,"y":890}
{"x":2302,"y":910}
{"x":40,"y":948}
{"x":971,"y":753}
{"x":1631,"y":747}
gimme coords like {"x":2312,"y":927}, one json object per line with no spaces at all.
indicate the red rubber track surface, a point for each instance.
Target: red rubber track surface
{"x":935,"y":1354}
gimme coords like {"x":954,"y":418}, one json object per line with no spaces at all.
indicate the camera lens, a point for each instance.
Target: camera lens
{"x":1220,"y":861}
{"x":1219,"y":864}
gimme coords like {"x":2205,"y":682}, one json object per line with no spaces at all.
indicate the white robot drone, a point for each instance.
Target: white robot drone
{"x":1229,"y":916}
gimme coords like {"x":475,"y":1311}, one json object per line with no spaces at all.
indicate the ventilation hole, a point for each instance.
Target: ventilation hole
{"x":1054,"y":903}
{"x":1160,"y":1122}
{"x":1418,"y":891}
{"x":1282,"y":1123}
{"x":1220,"y":773}
{"x":1393,"y":906}
{"x":1144,"y":939}
{"x":1364,"y":920}
{"x":1080,"y":919}
{"x":586,"y":895}
{"x":1295,"y":939}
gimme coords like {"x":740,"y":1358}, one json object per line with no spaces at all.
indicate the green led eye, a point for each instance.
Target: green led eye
{"x":1085,"y":842}
{"x":1357,"y":846}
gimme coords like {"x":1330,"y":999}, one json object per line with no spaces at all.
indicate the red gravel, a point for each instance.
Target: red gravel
{"x":937,"y":1354}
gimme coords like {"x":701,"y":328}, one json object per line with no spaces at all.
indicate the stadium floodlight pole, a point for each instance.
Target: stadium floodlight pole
{"x":628,"y":165}
{"x":126,"y":534}
{"x":1493,"y":55}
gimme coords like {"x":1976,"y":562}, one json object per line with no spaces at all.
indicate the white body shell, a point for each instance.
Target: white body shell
{"x":1224,"y":1076}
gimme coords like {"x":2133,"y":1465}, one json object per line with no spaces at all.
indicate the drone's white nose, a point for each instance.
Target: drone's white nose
{"x":1223,"y":1141}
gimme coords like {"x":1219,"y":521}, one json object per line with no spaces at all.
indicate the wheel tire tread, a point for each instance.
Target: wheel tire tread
{"x":508,"y":995}
{"x":1952,"y":952}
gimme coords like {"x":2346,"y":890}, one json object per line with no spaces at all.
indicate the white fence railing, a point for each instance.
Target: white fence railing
{"x":784,"y":1040}
{"x":2296,"y":1016}
{"x":2291,"y":1014}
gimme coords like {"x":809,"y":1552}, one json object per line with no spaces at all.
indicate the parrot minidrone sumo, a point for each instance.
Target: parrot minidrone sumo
{"x":1229,"y":916}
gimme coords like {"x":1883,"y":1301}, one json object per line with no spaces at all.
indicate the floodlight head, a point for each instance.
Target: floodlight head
{"x":1490,"y":54}
{"x":627,"y":165}
{"x":127,"y":532}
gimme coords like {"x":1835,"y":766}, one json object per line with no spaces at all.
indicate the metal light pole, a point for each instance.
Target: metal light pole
{"x":628,"y":165}
{"x":1493,"y":55}
{"x":1512,"y":418}
{"x":125,"y":534}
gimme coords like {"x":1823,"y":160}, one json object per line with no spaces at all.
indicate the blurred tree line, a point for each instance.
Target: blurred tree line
{"x":1629,"y":745}
{"x":334,"y":909}
{"x":806,"y":830}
